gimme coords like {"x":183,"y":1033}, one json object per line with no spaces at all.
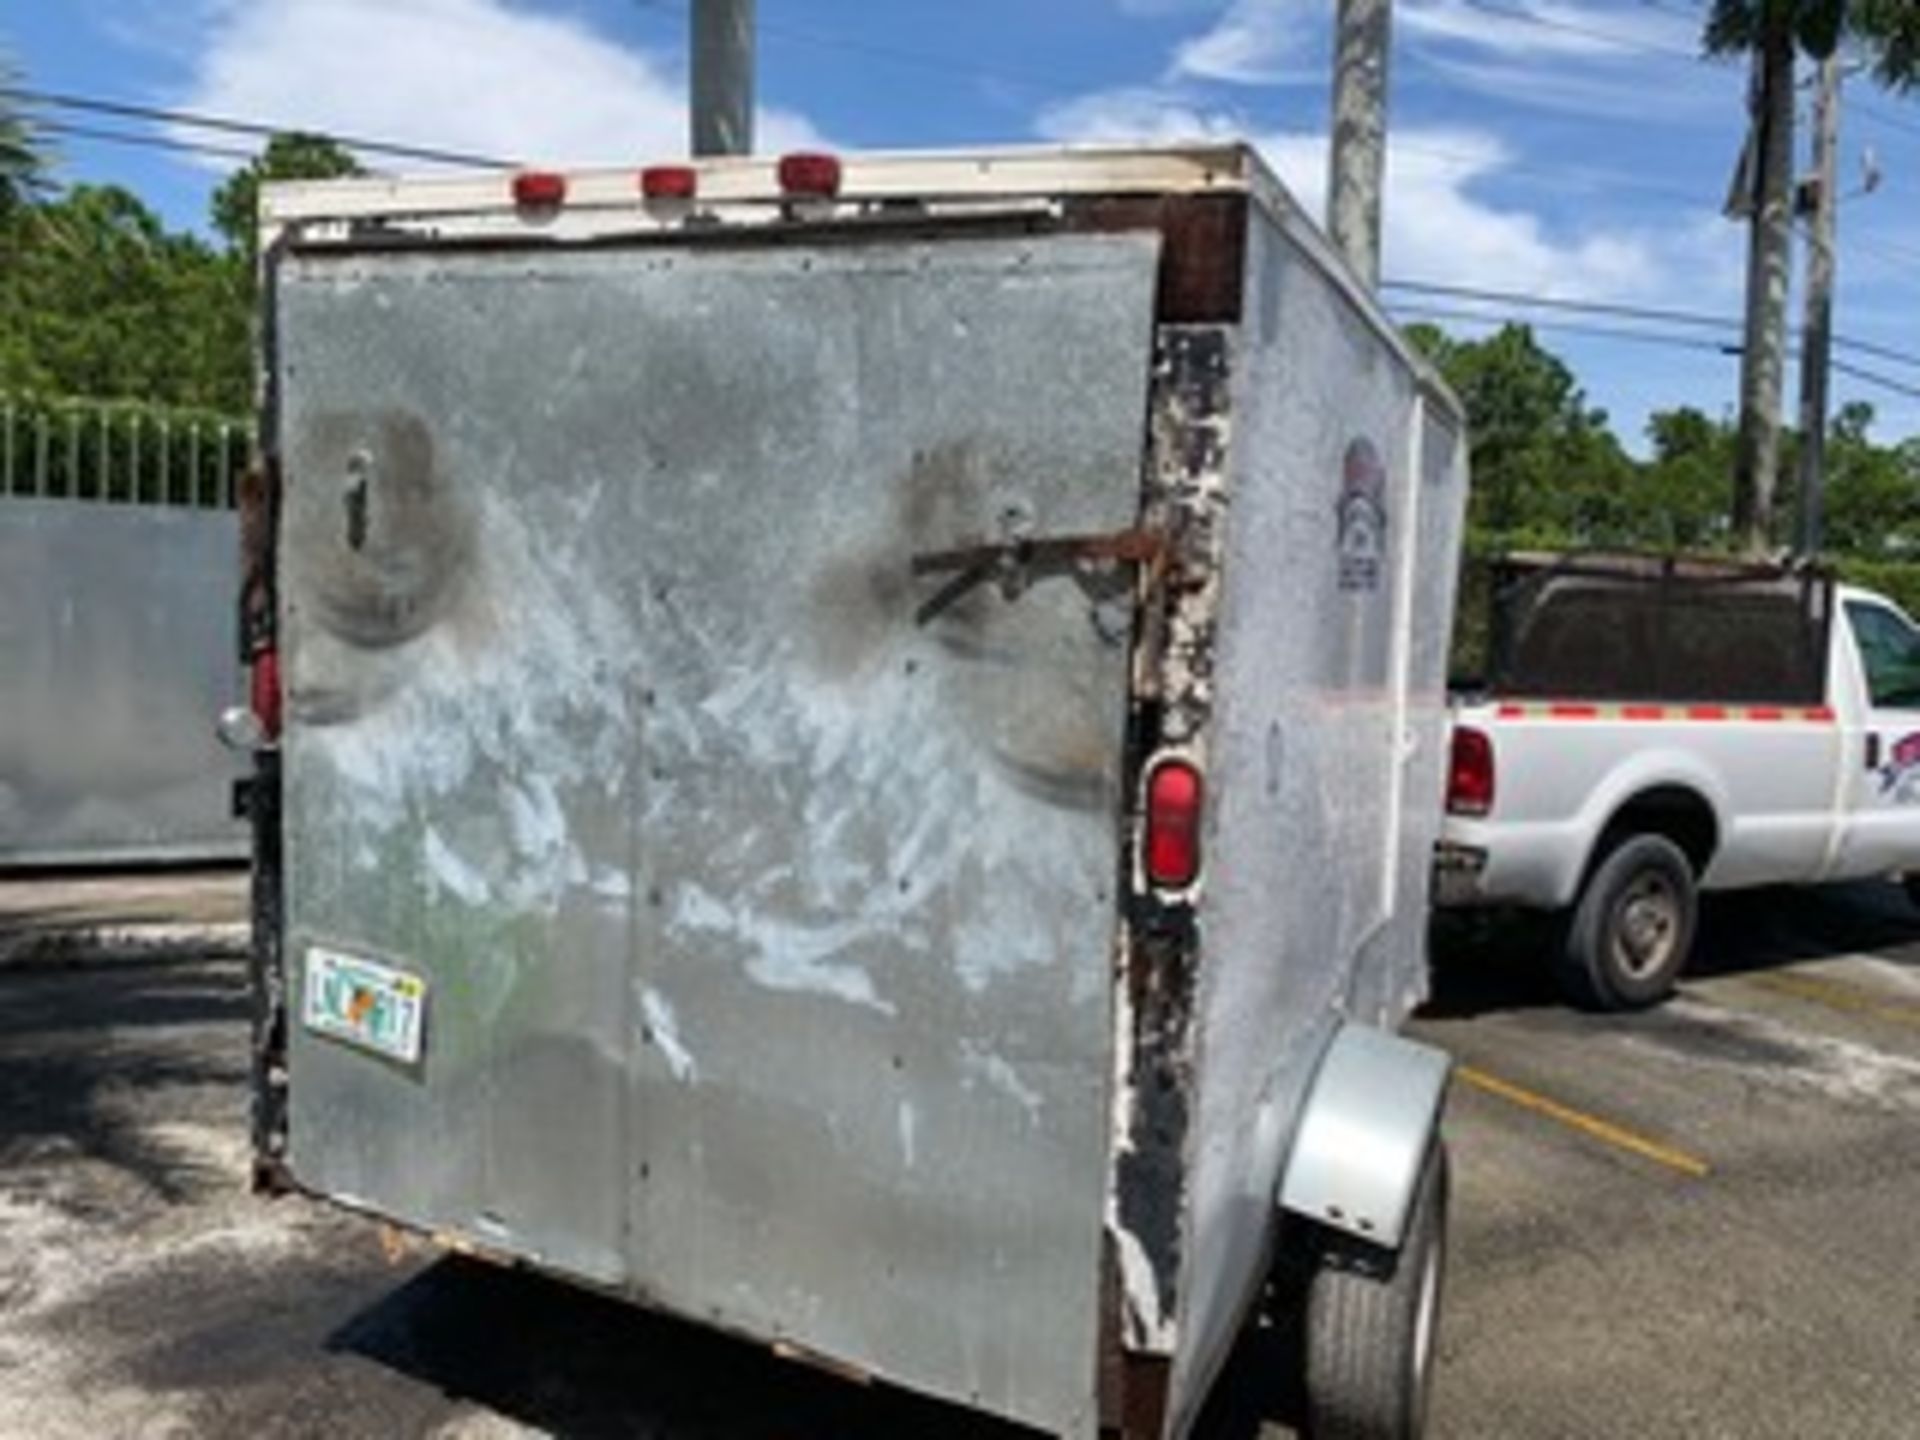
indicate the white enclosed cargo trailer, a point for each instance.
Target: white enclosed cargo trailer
{"x":862,"y":741}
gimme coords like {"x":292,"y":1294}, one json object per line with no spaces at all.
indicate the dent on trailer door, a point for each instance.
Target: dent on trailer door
{"x":1880,"y":753}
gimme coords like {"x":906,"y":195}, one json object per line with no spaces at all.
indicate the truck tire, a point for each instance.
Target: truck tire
{"x":1632,"y":929}
{"x":1370,"y":1323}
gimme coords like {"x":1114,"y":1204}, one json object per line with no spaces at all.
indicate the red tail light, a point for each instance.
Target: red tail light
{"x":1470,"y":773}
{"x":1174,"y":794}
{"x":539,"y":188}
{"x":264,"y":692}
{"x":669,"y":182}
{"x":810,"y":174}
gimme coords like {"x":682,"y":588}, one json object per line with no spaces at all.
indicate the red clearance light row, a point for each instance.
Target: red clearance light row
{"x":1580,"y":710}
{"x":805,"y":175}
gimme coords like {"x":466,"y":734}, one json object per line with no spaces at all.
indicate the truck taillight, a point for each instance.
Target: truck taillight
{"x":805,"y":173}
{"x":1470,"y":773}
{"x":1174,"y":794}
{"x":669,"y":182}
{"x":539,"y":189}
{"x":264,"y":692}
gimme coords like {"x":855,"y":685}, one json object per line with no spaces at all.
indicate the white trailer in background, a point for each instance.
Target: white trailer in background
{"x":862,"y":741}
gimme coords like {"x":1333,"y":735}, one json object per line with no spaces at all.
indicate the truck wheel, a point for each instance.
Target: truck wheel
{"x":1630,"y":933}
{"x":1370,"y":1321}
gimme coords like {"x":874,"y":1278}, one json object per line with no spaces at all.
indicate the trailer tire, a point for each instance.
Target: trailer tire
{"x":1370,"y":1322}
{"x":1632,"y":929}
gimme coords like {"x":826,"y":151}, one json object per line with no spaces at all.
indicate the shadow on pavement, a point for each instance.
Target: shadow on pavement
{"x":580,"y":1365}
{"x":1487,"y":962}
{"x":79,"y":1053}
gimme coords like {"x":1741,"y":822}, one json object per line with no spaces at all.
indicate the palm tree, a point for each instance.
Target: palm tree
{"x":23,"y":154}
{"x":1773,"y":32}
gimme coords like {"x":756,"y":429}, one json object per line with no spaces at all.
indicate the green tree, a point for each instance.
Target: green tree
{"x":23,"y":149}
{"x":1682,"y":494}
{"x":1873,"y":492}
{"x":102,"y":300}
{"x":1546,"y":466}
{"x":290,"y":156}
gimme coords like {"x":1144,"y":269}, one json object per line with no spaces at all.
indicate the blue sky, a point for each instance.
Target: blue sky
{"x":1572,"y":148}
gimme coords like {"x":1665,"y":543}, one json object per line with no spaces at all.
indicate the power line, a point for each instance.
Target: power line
{"x":94,"y":105}
{"x":153,"y":142}
{"x":1582,"y":307}
{"x":1884,"y":117}
{"x":1658,"y":315}
{"x":1032,"y":80}
{"x":1571,"y":327}
{"x":1641,"y":337}
{"x":1873,"y":377}
{"x":1568,"y":27}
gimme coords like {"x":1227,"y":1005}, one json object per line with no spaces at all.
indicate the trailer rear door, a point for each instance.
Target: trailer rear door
{"x":668,"y":900}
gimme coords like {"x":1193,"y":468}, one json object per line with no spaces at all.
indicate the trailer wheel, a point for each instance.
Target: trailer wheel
{"x":1370,"y":1323}
{"x":1628,"y":938}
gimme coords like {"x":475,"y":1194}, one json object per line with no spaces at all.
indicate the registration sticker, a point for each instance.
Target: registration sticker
{"x":364,"y":1003}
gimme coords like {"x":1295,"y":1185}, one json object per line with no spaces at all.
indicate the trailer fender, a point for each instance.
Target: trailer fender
{"x":1364,"y":1134}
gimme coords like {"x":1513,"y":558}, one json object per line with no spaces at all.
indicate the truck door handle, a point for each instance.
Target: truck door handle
{"x":1873,"y":751}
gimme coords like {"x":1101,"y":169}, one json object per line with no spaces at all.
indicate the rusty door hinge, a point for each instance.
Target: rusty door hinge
{"x":1016,"y":564}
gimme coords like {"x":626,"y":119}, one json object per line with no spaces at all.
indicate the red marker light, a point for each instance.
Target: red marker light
{"x":1174,"y":793}
{"x":1470,"y":773}
{"x":536,"y":189}
{"x":263,"y":692}
{"x":669,"y":182}
{"x":805,"y":173}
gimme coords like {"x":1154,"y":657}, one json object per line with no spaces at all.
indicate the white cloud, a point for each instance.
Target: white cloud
{"x":1611,"y":92}
{"x":1532,"y":28}
{"x":475,"y":76}
{"x":1438,"y":225}
{"x":1255,"y":42}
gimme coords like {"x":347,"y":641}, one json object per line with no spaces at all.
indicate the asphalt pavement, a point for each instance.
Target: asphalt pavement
{"x":1696,"y":1222}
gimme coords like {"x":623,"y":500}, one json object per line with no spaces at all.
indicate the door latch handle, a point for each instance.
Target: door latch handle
{"x":1873,"y":751}
{"x":1017,"y":563}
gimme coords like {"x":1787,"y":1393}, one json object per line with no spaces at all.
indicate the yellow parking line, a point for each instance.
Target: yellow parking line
{"x":1592,"y":1126}
{"x":1836,"y":996}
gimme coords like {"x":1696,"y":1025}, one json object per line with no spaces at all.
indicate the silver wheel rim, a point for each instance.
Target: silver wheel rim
{"x":1646,"y":925}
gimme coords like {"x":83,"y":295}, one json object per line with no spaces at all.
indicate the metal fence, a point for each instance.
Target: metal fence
{"x":120,"y":453}
{"x":119,"y":577}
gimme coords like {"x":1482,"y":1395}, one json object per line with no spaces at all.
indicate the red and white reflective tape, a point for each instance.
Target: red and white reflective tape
{"x":1587,"y":710}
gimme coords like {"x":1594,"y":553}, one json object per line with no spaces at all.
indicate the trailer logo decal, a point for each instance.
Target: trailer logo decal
{"x":1361,"y":516}
{"x":1900,"y":776}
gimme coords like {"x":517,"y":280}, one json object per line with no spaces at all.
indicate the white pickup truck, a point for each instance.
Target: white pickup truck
{"x":1653,"y":728}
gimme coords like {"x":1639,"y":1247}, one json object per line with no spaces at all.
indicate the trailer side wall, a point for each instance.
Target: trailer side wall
{"x":1335,"y":548}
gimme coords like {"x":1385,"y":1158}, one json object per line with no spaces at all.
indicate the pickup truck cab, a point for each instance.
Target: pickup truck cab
{"x":1654,"y":728}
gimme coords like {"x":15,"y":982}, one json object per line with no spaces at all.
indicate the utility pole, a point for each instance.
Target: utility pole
{"x":1816,"y":342}
{"x":722,"y":90}
{"x":1362,"y":41}
{"x":1769,"y":255}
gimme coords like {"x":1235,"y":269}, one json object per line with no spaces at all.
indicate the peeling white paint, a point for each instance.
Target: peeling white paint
{"x":664,"y":1026}
{"x":611,"y":884}
{"x":512,"y":699}
{"x":909,"y":1123}
{"x":983,"y":1065}
{"x":784,"y":954}
{"x":1147,"y":1325}
{"x":452,"y":873}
